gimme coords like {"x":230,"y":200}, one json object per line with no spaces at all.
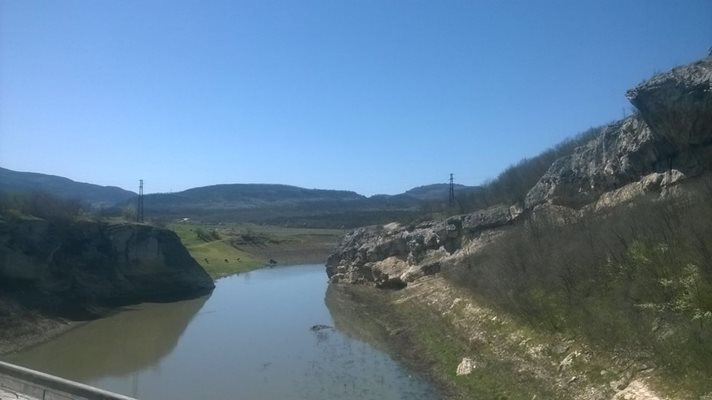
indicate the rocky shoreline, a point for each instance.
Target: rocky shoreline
{"x":668,"y":142}
{"x":22,"y":328}
{"x":395,"y":274}
{"x":470,"y":350}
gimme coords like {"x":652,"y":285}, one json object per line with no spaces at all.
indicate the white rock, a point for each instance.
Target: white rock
{"x":466,"y":366}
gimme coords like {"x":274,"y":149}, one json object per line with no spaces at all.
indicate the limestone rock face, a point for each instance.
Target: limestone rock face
{"x":620,"y":154}
{"x":391,"y":256}
{"x":655,"y":182}
{"x":491,"y":217}
{"x":678,"y":104}
{"x":672,"y":131}
{"x":97,"y":263}
{"x":668,"y":141}
{"x":380,"y":255}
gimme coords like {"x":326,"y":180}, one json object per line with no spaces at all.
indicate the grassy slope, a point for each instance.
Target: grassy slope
{"x":425,"y":339}
{"x":212,"y":255}
{"x":637,"y":278}
{"x":431,"y":326}
{"x":244,"y":247}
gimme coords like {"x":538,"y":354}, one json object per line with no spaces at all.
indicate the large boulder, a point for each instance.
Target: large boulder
{"x":678,"y":104}
{"x":392,"y":255}
{"x":384,"y":255}
{"x":671,"y":131}
{"x":491,"y":217}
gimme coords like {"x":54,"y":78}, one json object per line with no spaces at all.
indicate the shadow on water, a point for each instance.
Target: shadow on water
{"x":358,"y":313}
{"x":353,"y":318}
{"x":136,"y":338}
{"x":262,"y":335}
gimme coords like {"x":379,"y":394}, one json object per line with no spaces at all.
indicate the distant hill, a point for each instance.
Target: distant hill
{"x":290,"y":205}
{"x":422,"y":195}
{"x":247,"y":196}
{"x":438,"y":191}
{"x":94,"y":195}
{"x":261,"y":203}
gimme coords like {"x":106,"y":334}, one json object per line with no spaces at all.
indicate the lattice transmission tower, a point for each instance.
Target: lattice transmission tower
{"x":139,"y":207}
{"x":452,"y":191}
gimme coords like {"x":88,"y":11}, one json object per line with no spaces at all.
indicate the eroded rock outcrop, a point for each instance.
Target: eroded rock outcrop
{"x":677,"y":105}
{"x":393,"y":255}
{"x":82,"y":263}
{"x":665,"y":151}
{"x":672,"y":131}
{"x":620,"y":154}
{"x":381,"y":254}
{"x":667,"y":142}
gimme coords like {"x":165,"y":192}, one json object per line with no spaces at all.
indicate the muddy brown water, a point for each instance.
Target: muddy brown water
{"x":251,"y":339}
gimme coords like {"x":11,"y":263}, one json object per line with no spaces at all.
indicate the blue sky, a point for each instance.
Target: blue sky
{"x":372,"y":96}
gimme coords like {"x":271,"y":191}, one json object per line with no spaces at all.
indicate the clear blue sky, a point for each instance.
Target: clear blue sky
{"x":372,"y":96}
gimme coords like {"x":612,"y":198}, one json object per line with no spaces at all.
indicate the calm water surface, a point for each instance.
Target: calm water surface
{"x":251,"y":339}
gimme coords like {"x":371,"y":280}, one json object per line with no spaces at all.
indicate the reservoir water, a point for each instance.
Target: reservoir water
{"x":256,"y":337}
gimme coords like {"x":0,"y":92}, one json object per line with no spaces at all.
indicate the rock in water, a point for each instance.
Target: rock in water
{"x":320,"y":327}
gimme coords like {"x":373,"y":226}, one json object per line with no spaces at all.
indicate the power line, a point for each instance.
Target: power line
{"x":452,"y":191}
{"x":139,"y":209}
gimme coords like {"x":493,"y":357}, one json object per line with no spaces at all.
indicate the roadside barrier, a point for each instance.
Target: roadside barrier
{"x":43,"y":386}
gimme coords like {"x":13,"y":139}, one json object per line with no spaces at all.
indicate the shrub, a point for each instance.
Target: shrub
{"x":207,"y":236}
{"x":638,"y":275}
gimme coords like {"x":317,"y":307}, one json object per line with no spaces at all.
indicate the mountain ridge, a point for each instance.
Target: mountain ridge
{"x":62,"y":187}
{"x":251,"y":202}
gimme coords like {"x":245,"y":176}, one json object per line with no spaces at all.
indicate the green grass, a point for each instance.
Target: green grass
{"x":218,"y":257}
{"x":244,"y":247}
{"x":426,"y":341}
{"x":494,"y":378}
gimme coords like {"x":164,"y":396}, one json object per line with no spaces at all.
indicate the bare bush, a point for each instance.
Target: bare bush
{"x":639,"y":275}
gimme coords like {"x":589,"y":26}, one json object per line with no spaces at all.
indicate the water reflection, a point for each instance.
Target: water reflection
{"x":251,"y":339}
{"x":119,"y":345}
{"x":353,"y":318}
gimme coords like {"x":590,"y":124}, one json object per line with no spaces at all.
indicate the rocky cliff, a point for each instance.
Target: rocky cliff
{"x":393,"y":255}
{"x":668,"y":141}
{"x":672,"y":131}
{"x":69,"y":265}
{"x":595,"y":286}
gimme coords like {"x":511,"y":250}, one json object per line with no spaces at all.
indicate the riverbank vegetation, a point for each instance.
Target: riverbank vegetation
{"x":430,"y":327}
{"x":636,"y":278}
{"x":229,"y":248}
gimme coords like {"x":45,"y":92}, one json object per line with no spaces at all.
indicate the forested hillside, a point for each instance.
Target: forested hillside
{"x":57,"y":186}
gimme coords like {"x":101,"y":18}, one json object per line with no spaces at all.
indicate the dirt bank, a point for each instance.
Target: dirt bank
{"x":432,"y":327}
{"x":21,"y":327}
{"x":56,"y":273}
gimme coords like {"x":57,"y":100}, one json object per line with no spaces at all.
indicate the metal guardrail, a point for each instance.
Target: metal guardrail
{"x":49,"y":387}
